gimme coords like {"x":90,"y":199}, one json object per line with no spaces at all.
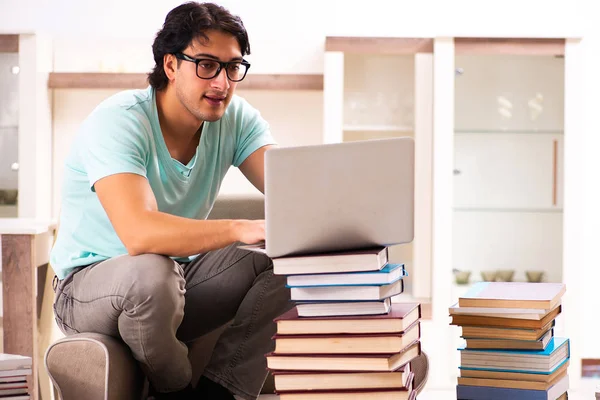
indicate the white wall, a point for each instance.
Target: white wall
{"x":286,"y":36}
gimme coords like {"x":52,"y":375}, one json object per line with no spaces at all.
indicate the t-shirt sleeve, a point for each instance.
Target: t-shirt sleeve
{"x":253,"y":132}
{"x":113,"y":141}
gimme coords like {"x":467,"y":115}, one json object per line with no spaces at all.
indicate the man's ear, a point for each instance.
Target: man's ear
{"x":170,"y":66}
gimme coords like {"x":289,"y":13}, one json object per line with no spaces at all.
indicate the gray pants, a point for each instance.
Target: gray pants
{"x":157,"y":305}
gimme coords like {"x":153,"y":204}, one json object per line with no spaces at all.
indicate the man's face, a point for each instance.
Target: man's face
{"x":207,"y":99}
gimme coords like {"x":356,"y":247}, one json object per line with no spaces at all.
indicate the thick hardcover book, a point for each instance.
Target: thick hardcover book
{"x":498,"y":332}
{"x":347,"y":344}
{"x":510,"y":383}
{"x":388,"y":274}
{"x":340,"y":293}
{"x":400,"y":317}
{"x":512,"y":313}
{"x":492,"y":393}
{"x":286,"y":381}
{"x":402,"y":393}
{"x":347,"y":261}
{"x":473,"y":320}
{"x":13,"y":362}
{"x":492,"y":343}
{"x":343,"y":308}
{"x":347,"y":362}
{"x":513,"y":295}
{"x":519,"y":376}
{"x":544,"y":361}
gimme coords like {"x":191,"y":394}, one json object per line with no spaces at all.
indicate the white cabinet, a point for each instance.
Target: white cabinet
{"x":513,"y":171}
{"x":380,"y":88}
{"x":508,"y":165}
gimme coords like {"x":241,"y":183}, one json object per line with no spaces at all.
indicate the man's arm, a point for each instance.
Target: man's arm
{"x":132,"y":209}
{"x":253,"y":168}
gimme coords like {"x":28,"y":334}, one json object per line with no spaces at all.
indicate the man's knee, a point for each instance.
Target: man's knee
{"x":262,"y":262}
{"x":156,"y":280}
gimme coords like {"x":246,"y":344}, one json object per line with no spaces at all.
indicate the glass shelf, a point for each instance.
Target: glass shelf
{"x":509,"y":210}
{"x":509,"y":131}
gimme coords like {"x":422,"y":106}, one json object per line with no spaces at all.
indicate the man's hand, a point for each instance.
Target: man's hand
{"x":250,"y":231}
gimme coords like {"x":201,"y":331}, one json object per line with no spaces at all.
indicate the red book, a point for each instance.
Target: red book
{"x":400,"y":317}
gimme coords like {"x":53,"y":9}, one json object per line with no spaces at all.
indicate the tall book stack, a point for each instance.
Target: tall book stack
{"x":343,"y":339}
{"x":510,"y":351}
{"x":14,"y":371}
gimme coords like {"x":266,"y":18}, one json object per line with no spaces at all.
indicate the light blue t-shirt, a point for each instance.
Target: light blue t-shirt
{"x":123,"y":135}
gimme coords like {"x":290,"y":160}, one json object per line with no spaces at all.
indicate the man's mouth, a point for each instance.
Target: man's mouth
{"x":215,"y":100}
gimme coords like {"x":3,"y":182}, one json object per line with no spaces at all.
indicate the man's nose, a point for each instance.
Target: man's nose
{"x":220,"y":81}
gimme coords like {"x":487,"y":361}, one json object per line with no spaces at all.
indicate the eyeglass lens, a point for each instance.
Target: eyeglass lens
{"x":207,"y":69}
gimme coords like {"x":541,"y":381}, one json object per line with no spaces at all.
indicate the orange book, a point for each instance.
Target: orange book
{"x":473,"y":320}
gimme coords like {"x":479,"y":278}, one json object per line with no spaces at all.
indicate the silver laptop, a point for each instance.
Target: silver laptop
{"x":340,"y":196}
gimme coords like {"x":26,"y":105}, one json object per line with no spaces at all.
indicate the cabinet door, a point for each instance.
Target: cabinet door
{"x":509,"y":93}
{"x":508,"y":171}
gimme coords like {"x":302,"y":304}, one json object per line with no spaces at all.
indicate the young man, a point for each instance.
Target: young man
{"x":135,"y":256}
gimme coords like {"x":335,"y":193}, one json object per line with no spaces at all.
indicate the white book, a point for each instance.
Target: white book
{"x":15,"y":372}
{"x":13,"y":385}
{"x":12,"y":362}
{"x":335,"y":262}
{"x":513,"y":313}
{"x":336,"y":309}
{"x":10,"y":379}
{"x":17,"y":397}
{"x":388,"y":274}
{"x":341,"y":293}
{"x":12,"y":392}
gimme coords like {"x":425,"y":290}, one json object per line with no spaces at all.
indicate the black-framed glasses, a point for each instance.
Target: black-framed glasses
{"x":207,"y":68}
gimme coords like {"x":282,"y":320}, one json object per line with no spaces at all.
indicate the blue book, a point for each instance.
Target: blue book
{"x":523,"y":361}
{"x":388,"y":274}
{"x":493,"y":393}
{"x":345,"y":293}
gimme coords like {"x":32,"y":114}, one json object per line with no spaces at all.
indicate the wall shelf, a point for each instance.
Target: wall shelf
{"x":509,"y":131}
{"x":511,"y":46}
{"x":378,"y":45}
{"x":377,"y":128}
{"x":128,"y":80}
{"x":9,"y":43}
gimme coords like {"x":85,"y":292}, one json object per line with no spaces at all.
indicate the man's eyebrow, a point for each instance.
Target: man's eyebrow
{"x":207,"y":55}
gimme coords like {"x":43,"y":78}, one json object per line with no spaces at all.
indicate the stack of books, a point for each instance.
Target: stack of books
{"x":509,"y":350}
{"x":14,"y":371}
{"x":344,"y":339}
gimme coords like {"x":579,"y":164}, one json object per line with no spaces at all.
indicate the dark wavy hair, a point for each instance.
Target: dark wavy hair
{"x":184,"y":24}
